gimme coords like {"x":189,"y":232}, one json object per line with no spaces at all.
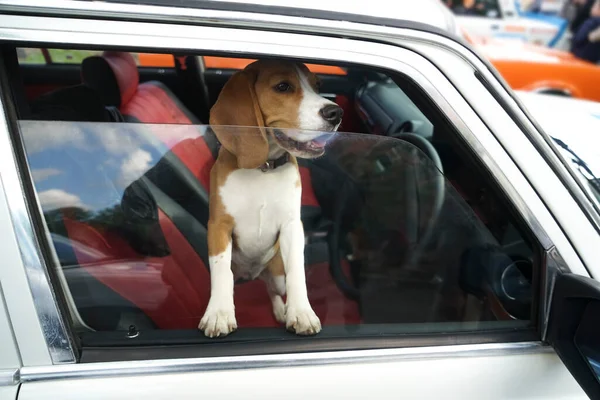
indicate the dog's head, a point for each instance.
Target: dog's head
{"x":281,"y":98}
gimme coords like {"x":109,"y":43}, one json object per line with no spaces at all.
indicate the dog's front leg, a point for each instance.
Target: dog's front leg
{"x":219,"y":317}
{"x":299,"y":315}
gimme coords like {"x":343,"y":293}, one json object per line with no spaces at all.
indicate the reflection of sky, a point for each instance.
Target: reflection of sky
{"x":595,"y":366}
{"x":89,"y":165}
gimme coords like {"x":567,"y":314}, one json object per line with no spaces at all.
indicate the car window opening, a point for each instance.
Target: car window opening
{"x":404,"y":233}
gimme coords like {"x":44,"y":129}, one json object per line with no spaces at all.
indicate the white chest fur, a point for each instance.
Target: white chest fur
{"x":260,"y":203}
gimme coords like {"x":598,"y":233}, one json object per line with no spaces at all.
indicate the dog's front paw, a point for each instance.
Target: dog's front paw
{"x":218,"y":322}
{"x":302,"y":321}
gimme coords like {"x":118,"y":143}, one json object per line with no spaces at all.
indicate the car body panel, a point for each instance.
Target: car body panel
{"x":567,"y":118}
{"x":545,"y":7}
{"x":10,"y":355}
{"x":9,"y":392}
{"x":574,"y":122}
{"x":516,"y":376}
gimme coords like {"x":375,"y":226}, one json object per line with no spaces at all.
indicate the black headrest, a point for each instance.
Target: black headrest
{"x":97,"y":74}
{"x":74,"y":103}
{"x":114,"y":75}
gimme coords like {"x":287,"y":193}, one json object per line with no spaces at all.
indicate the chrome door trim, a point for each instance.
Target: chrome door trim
{"x":176,"y":366}
{"x":51,"y":322}
{"x":118,"y":34}
{"x":9,"y":377}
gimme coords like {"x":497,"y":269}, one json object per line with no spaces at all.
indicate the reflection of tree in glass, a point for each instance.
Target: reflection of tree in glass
{"x":107,"y":219}
{"x":141,"y":232}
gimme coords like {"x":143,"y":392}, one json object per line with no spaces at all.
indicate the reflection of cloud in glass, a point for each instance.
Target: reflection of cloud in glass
{"x":118,"y":139}
{"x":134,"y":166}
{"x":57,"y":198}
{"x":40,"y":136}
{"x":42,"y":174}
{"x":89,"y":163}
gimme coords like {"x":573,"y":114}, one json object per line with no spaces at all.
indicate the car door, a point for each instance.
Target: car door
{"x":401,"y":343}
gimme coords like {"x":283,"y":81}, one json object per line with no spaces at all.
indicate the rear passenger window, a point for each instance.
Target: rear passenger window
{"x":404,"y":232}
{"x":30,"y":56}
{"x":65,"y":56}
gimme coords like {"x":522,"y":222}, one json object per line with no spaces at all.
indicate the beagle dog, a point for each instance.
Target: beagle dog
{"x":266,"y":115}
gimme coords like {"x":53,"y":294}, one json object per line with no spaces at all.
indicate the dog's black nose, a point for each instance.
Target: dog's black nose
{"x":332,"y":113}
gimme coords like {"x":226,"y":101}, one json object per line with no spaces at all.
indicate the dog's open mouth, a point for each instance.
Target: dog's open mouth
{"x":313,"y":147}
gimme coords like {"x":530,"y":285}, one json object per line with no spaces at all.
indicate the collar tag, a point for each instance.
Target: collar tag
{"x":266,"y":166}
{"x":272,"y":164}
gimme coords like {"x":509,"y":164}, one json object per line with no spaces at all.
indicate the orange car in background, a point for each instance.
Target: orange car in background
{"x":524,"y":67}
{"x":540,"y":69}
{"x":167,"y":61}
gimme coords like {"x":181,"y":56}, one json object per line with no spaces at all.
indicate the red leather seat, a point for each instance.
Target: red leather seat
{"x":115,"y":76}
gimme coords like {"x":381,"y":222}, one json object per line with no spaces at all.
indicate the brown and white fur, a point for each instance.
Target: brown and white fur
{"x":254,"y":228}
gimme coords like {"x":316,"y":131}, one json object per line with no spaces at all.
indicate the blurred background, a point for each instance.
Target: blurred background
{"x":543,"y":46}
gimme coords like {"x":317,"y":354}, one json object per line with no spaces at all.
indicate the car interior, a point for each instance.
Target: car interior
{"x":431,"y":244}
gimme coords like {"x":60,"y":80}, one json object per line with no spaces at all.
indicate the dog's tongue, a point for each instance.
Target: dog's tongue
{"x":320,"y":141}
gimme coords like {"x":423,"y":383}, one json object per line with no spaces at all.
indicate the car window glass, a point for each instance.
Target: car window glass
{"x":409,"y":247}
{"x":404,"y":233}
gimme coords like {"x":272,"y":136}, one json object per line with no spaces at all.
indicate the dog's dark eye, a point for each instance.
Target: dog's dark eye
{"x":283,"y":87}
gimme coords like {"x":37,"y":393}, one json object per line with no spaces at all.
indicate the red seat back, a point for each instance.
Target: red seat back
{"x":116,"y":77}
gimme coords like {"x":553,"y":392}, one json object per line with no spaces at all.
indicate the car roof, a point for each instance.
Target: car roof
{"x":378,"y":12}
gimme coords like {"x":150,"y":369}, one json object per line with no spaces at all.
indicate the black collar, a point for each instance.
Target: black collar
{"x":272,"y":164}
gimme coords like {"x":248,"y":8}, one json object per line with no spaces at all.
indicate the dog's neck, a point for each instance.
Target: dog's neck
{"x":276,"y":158}
{"x":275,"y":151}
{"x":271,"y":164}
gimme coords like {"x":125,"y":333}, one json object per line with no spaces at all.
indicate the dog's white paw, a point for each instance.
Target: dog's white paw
{"x":302,"y":321}
{"x":218,"y":322}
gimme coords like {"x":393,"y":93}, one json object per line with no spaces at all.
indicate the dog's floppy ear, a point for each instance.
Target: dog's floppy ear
{"x":237,"y":105}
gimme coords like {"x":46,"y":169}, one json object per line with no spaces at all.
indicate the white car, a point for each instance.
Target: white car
{"x":548,"y":7}
{"x":451,"y":227}
{"x":504,"y":19}
{"x":574,"y":123}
